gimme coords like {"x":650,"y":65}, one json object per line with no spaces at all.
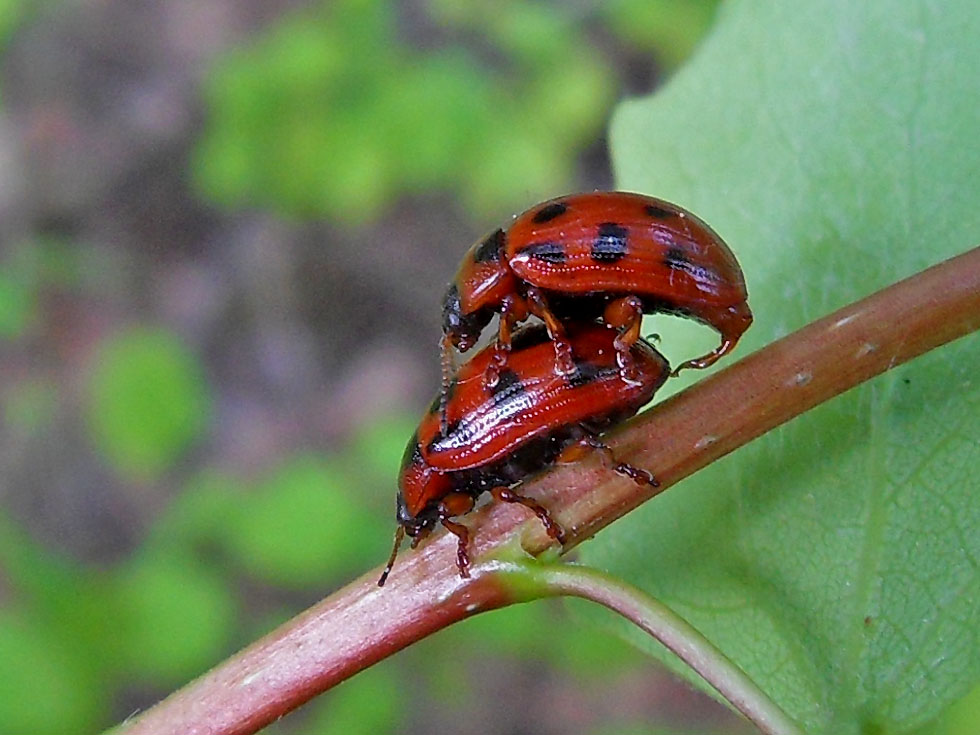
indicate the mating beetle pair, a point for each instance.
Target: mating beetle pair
{"x":527,"y":398}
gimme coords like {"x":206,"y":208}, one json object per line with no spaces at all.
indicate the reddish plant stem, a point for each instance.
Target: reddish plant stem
{"x":360,"y":624}
{"x":346,"y":632}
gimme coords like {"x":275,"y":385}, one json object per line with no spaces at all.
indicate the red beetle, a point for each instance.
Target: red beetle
{"x":611,"y":254}
{"x":498,"y":436}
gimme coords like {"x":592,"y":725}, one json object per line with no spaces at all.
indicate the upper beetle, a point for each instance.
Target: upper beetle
{"x":497,"y":436}
{"x":612,"y":254}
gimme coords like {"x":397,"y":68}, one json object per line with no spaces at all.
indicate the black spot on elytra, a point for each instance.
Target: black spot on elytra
{"x":611,"y":243}
{"x":489,"y":250}
{"x":549,"y":212}
{"x":549,"y":252}
{"x":656,"y":212}
{"x":677,"y":258}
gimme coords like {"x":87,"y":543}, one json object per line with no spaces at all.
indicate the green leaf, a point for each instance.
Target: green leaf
{"x":837,"y":559}
{"x":148,"y":401}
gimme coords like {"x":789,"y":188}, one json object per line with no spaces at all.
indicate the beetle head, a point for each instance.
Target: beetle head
{"x":483,"y":281}
{"x":461,"y":328}
{"x":415,"y":527}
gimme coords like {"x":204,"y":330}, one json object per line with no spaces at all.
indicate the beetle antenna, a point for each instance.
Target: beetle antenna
{"x":399,"y":535}
{"x":447,"y":376}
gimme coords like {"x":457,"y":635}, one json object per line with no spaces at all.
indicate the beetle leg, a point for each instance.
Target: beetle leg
{"x":563,"y":350}
{"x":463,"y":536}
{"x":700,"y":363}
{"x":731,"y":325}
{"x":420,"y":535}
{"x":506,"y":495}
{"x":513,"y":309}
{"x":625,"y":314}
{"x":576,"y":451}
{"x":456,"y":504}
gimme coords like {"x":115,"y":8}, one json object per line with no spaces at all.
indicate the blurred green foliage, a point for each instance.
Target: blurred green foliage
{"x":147,"y":401}
{"x":35,"y":658}
{"x":334,"y":114}
{"x":166,"y":597}
{"x":22,"y":273}
{"x":10,"y":15}
{"x":51,"y":663}
{"x":16,"y":305}
{"x":28,"y":270}
{"x":304,"y":522}
{"x":372,"y":702}
{"x":668,"y":29}
{"x":31,"y":407}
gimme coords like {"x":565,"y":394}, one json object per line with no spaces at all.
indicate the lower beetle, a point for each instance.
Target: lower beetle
{"x":496,"y":437}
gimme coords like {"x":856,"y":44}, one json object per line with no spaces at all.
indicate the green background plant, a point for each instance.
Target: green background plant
{"x":331,"y":114}
{"x":835,"y":558}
